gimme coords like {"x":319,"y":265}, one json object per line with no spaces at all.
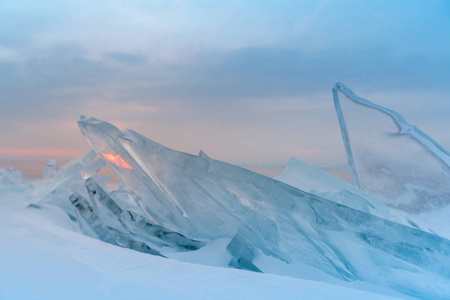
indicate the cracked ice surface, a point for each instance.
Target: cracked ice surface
{"x":205,"y":198}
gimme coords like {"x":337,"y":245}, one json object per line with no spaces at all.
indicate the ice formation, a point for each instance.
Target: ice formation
{"x":11,"y":178}
{"x":174,"y":201}
{"x":50,"y":169}
{"x":395,"y":161}
{"x":202,"y":198}
{"x":132,"y":224}
{"x":243,"y":254}
{"x":91,"y":225}
{"x":67,"y":180}
{"x":318,"y":182}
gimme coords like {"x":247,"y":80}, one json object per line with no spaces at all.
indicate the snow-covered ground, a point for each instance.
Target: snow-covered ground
{"x":43,"y":256}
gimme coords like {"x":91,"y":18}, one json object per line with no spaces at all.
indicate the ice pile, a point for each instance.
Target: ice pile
{"x":178,"y":201}
{"x":11,"y":178}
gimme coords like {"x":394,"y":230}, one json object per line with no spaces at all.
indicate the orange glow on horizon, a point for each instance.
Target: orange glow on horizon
{"x":52,"y":153}
{"x":117,"y":160}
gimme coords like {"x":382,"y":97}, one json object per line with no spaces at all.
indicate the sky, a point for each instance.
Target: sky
{"x":245,"y":81}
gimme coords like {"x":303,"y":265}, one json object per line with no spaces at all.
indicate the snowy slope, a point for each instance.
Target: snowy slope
{"x":42,"y":256}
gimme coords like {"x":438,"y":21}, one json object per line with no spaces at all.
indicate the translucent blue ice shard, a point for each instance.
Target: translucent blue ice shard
{"x":88,"y":219}
{"x":104,"y":138}
{"x":91,"y":225}
{"x":67,"y":180}
{"x":203,"y":154}
{"x":50,"y":169}
{"x":318,"y":182}
{"x":396,"y":162}
{"x":107,"y":209}
{"x":404,"y":128}
{"x":143,"y":229}
{"x":243,"y":254}
{"x":135,"y":225}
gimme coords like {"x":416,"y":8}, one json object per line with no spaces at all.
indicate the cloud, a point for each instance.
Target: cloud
{"x":126,"y":58}
{"x":244,"y":80}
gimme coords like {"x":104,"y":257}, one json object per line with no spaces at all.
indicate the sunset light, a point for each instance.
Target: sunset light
{"x":117,"y":160}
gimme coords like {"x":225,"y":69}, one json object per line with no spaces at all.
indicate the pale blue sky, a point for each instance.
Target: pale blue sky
{"x":244,"y":81}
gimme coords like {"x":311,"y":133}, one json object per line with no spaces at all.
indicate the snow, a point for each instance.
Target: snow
{"x":44,"y":257}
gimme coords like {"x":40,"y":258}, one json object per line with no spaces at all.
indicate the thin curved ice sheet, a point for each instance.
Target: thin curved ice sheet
{"x":393,"y":159}
{"x":205,"y":198}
